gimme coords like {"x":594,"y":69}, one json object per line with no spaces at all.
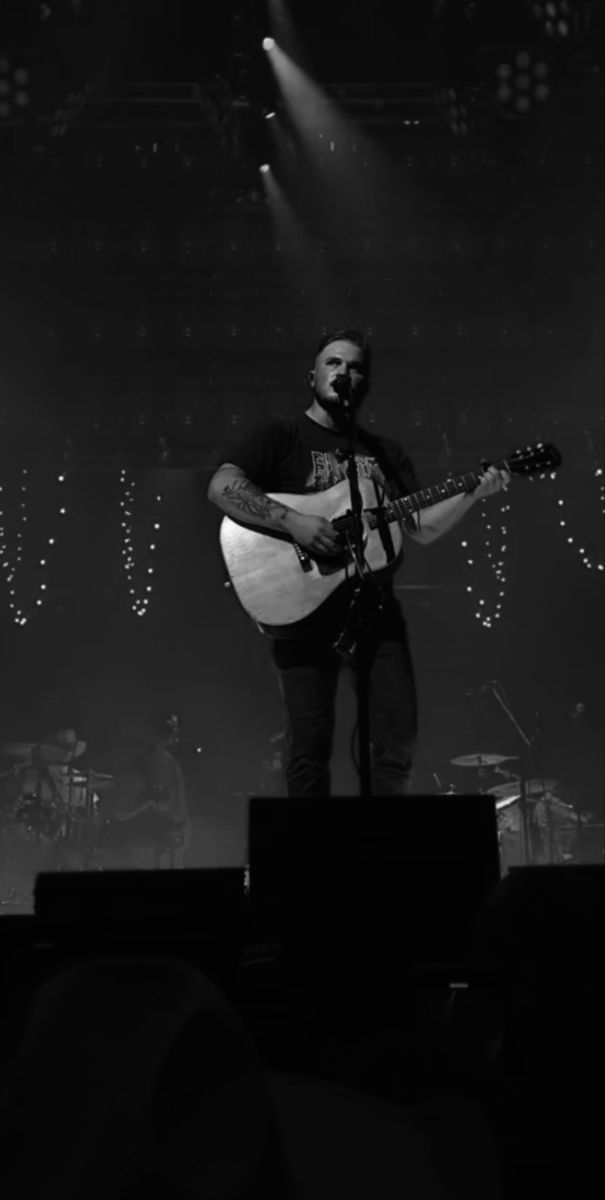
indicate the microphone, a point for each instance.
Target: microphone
{"x":342,"y":386}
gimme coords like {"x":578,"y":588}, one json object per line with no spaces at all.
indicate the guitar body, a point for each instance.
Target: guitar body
{"x":282,"y":586}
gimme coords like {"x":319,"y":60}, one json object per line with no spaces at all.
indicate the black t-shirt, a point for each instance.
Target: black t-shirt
{"x":299,"y":456}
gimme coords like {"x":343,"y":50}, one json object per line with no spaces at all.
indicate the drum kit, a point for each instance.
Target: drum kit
{"x":547,"y":833}
{"x":50,"y":813}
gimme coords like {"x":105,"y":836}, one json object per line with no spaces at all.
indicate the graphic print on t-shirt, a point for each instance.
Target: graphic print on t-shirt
{"x":330,"y":467}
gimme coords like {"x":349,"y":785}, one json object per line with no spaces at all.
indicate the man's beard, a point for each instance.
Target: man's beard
{"x":336,"y":407}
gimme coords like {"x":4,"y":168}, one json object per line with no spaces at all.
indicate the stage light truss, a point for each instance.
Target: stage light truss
{"x":508,"y":60}
{"x":387,"y":103}
{"x":153,"y":106}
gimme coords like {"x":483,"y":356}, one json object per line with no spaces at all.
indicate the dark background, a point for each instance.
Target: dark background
{"x":152,"y":307}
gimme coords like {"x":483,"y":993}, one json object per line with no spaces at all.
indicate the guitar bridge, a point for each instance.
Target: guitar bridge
{"x":303,"y":558}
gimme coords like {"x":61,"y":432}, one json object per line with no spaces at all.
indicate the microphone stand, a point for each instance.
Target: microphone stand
{"x":360,"y":608}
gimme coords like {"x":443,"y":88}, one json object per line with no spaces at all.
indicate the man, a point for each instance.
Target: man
{"x":151,"y":825}
{"x":309,"y":454}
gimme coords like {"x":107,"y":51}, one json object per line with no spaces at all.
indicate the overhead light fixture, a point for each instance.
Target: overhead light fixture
{"x":14,"y":88}
{"x":557,"y":17}
{"x":268,"y":43}
{"x":522,"y":82}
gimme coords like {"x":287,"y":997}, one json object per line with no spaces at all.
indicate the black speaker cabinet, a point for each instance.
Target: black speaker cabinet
{"x":384,"y":884}
{"x":197,"y":915}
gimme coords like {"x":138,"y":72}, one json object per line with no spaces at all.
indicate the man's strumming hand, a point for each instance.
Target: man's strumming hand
{"x":314,"y":533}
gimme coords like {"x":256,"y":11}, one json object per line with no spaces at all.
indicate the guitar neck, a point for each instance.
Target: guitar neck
{"x":432,"y":495}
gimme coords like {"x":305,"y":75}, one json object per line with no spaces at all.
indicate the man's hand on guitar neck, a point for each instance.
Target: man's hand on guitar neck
{"x":491,"y":481}
{"x":445,"y":514}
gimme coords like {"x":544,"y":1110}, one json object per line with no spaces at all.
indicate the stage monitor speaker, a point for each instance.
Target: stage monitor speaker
{"x":198,"y":915}
{"x":388,"y":883}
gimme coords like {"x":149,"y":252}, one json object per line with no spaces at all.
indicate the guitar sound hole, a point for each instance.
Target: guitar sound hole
{"x":329,"y":566}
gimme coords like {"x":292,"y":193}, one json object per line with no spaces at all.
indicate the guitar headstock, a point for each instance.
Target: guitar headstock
{"x":539,"y":459}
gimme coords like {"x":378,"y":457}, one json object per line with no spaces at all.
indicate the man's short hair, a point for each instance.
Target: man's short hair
{"x":348,"y":335}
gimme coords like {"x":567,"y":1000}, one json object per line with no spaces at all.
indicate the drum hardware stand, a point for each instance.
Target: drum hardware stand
{"x":43,"y":773}
{"x":547,"y":797}
{"x":494,"y":688}
{"x":13,"y":896}
{"x":552,"y":850}
{"x":482,"y":777}
{"x":87,"y":850}
{"x":579,"y":808}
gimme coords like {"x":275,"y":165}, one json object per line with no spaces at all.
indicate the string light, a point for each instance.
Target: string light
{"x":482,"y":613}
{"x":589,"y":563}
{"x":10,"y":562}
{"x":140,"y":602}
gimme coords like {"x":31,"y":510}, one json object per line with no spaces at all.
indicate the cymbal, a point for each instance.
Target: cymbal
{"x":25,"y":750}
{"x":16,"y":749}
{"x":534,"y":787}
{"x":505,"y":794}
{"x":482,"y":760}
{"x":503,"y":790}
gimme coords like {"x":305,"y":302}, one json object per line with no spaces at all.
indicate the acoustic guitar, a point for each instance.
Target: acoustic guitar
{"x":282,"y":586}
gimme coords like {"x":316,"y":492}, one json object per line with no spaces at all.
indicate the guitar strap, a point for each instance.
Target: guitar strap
{"x":384,"y":528}
{"x":391,"y":476}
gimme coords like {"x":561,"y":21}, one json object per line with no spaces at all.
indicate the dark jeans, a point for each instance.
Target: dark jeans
{"x":309,"y":670}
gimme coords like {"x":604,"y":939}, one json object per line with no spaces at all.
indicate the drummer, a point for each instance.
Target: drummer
{"x":45,"y":771}
{"x":68,"y":748}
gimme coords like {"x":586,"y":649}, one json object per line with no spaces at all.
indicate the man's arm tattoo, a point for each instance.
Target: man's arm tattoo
{"x":252,"y":502}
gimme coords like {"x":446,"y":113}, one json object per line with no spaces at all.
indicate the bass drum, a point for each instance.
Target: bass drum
{"x":30,"y":840}
{"x":34,"y":812}
{"x":36,"y":821}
